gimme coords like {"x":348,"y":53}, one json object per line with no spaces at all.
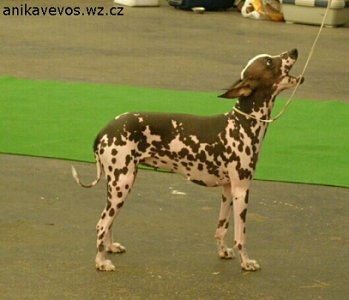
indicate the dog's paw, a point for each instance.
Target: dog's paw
{"x":116,"y":248}
{"x":250,"y":265}
{"x":105,"y":265}
{"x":227,"y":253}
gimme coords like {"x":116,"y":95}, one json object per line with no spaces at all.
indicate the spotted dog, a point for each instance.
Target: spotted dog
{"x":220,"y":150}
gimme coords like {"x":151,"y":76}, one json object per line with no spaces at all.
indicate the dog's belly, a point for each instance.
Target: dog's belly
{"x":205,"y":174}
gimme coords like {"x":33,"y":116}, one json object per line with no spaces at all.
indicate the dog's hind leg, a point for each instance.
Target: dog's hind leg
{"x":122,"y":189}
{"x":118,"y":188}
{"x":223,"y":224}
{"x":240,"y":201}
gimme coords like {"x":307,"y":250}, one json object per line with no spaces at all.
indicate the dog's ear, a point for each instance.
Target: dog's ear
{"x":243,"y":87}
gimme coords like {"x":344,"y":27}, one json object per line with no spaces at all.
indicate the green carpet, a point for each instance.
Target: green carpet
{"x":309,"y":144}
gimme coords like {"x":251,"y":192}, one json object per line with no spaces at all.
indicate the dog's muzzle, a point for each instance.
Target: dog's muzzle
{"x":293,"y":54}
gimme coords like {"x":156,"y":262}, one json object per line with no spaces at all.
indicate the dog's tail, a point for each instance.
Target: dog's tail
{"x":92,"y":184}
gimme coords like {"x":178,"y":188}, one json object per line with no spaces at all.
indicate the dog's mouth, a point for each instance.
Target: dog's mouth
{"x":288,"y":60}
{"x":293,"y":54}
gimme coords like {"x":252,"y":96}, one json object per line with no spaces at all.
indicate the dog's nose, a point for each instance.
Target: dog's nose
{"x":293,"y":53}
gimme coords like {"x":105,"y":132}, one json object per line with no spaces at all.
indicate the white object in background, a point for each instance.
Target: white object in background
{"x":198,"y":10}
{"x":138,"y":2}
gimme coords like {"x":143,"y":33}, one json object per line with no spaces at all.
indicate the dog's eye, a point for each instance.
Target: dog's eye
{"x":269,"y":62}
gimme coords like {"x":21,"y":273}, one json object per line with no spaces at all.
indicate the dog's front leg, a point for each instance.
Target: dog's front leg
{"x":223,"y":223}
{"x":240,"y":201}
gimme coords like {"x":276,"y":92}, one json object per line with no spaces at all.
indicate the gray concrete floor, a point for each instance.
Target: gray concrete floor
{"x":167,"y":48}
{"x":299,"y":233}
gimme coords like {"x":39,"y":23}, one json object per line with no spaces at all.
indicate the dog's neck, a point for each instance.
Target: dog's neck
{"x":259,"y":104}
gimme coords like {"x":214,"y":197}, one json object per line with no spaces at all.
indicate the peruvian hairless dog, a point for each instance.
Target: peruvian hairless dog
{"x":220,"y":150}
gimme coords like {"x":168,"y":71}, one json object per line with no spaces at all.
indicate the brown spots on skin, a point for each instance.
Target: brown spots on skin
{"x":247,"y":196}
{"x":202,"y":156}
{"x":112,"y":212}
{"x":243,"y":215}
{"x":119,"y":205}
{"x":199,"y":182}
{"x":101,"y":247}
{"x":118,"y":172}
{"x":184,"y":164}
{"x":221,"y":223}
{"x":128,"y":159}
{"x":244,"y":173}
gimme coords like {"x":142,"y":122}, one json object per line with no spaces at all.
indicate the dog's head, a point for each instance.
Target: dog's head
{"x":266,"y":72}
